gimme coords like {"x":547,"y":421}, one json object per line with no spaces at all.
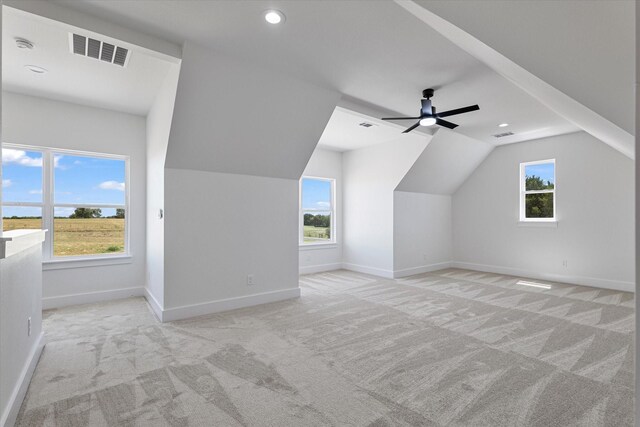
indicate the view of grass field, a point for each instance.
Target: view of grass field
{"x":315,"y":234}
{"x":78,"y":236}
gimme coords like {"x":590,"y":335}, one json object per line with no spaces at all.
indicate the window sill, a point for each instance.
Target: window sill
{"x":316,"y":246}
{"x":551,"y":224}
{"x":61,"y":264}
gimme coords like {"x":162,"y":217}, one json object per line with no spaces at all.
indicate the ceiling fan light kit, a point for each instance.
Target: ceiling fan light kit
{"x":428,"y":115}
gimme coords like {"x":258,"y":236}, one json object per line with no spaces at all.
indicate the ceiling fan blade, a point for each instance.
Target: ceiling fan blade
{"x":458,"y":111}
{"x":412,"y":128}
{"x":446,"y":124}
{"x":426,"y":107}
{"x":400,"y":118}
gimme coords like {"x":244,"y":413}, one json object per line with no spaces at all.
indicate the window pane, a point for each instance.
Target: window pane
{"x":21,"y":175}
{"x":89,"y":180}
{"x":88,"y":231}
{"x":539,"y":176}
{"x":316,"y":195}
{"x":317,"y":226}
{"x":539,"y":205}
{"x":21,"y":217}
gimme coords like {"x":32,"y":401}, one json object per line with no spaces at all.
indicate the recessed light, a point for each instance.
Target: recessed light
{"x":23,"y":43}
{"x":427,"y":121}
{"x":274,"y":16}
{"x":35,"y":69}
{"x":503,"y":125}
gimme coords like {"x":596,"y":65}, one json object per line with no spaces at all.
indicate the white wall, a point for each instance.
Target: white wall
{"x":76,"y":127}
{"x":595,"y":209}
{"x":158,"y":128}
{"x":20,"y":298}
{"x":370,"y":176}
{"x":325,"y":164}
{"x":219,"y":228}
{"x":422,"y":234}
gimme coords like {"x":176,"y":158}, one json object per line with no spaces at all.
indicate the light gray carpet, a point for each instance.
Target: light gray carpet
{"x":452,"y":347}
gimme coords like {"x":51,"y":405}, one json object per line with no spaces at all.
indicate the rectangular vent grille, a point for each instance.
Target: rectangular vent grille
{"x":502,"y":135}
{"x":96,"y":49}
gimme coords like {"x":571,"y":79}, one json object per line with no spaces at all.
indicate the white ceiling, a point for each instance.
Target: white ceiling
{"x":378,"y":53}
{"x":586,"y":49}
{"x":344,"y":133}
{"x":74,"y":78}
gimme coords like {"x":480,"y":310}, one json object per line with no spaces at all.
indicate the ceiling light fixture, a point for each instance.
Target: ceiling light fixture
{"x":24,"y":43}
{"x":503,"y":125}
{"x":427,"y":121}
{"x":35,"y":69}
{"x":274,"y":16}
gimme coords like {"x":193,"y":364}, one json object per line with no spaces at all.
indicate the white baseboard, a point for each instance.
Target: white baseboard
{"x":193,"y":310}
{"x":574,"y":280}
{"x":368,"y":270}
{"x":422,"y":269}
{"x":20,"y":389}
{"x":90,"y":297}
{"x":309,"y":269}
{"x":154,"y":304}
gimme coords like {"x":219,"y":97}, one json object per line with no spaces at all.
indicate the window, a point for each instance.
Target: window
{"x":538,"y":191}
{"x":80,"y":198}
{"x":317,"y":211}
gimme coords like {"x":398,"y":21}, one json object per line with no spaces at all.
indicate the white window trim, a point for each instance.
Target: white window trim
{"x":48,"y":206}
{"x":523,"y":192}
{"x":317,"y":245}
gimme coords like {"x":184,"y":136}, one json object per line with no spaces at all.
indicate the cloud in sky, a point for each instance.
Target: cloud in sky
{"x":112,"y":185}
{"x":20,"y":157}
{"x":35,"y":191}
{"x":6,"y":183}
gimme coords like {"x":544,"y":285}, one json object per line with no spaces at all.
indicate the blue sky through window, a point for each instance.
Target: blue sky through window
{"x":78,"y":179}
{"x":543,"y":170}
{"x":316,"y":195}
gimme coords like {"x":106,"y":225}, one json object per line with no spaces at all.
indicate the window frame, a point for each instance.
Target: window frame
{"x":333,"y":240}
{"x":48,"y":204}
{"x":524,"y":192}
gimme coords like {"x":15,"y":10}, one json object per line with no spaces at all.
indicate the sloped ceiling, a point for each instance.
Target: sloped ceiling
{"x":235,"y":117}
{"x":575,"y":57}
{"x":584,"y":48}
{"x":448,"y":160}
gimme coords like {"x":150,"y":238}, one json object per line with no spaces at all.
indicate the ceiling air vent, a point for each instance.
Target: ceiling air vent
{"x":96,"y":49}
{"x":502,"y":135}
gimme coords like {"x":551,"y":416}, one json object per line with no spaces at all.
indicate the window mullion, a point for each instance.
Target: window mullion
{"x":47,"y":200}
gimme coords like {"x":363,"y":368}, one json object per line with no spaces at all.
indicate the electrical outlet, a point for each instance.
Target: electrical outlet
{"x":565,"y":263}
{"x":251,"y":280}
{"x":29,"y":326}
{"x":424,"y":257}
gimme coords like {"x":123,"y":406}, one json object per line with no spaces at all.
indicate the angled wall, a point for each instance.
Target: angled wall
{"x":370,"y":176}
{"x":236,"y":117}
{"x":422,"y":237}
{"x":240,"y":138}
{"x":445,"y":164}
{"x":159,"y":122}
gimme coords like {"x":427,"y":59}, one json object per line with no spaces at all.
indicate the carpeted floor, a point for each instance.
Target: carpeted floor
{"x":452,"y":347}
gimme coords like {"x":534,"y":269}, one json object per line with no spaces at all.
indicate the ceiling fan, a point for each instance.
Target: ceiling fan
{"x":428,"y":115}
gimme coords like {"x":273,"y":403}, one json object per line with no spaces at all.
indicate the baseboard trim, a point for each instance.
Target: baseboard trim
{"x":310,"y":269}
{"x":153,"y":303}
{"x":388,"y":274}
{"x":20,"y":389}
{"x":574,"y":280}
{"x":422,"y":269}
{"x":90,"y":297}
{"x":193,"y":310}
